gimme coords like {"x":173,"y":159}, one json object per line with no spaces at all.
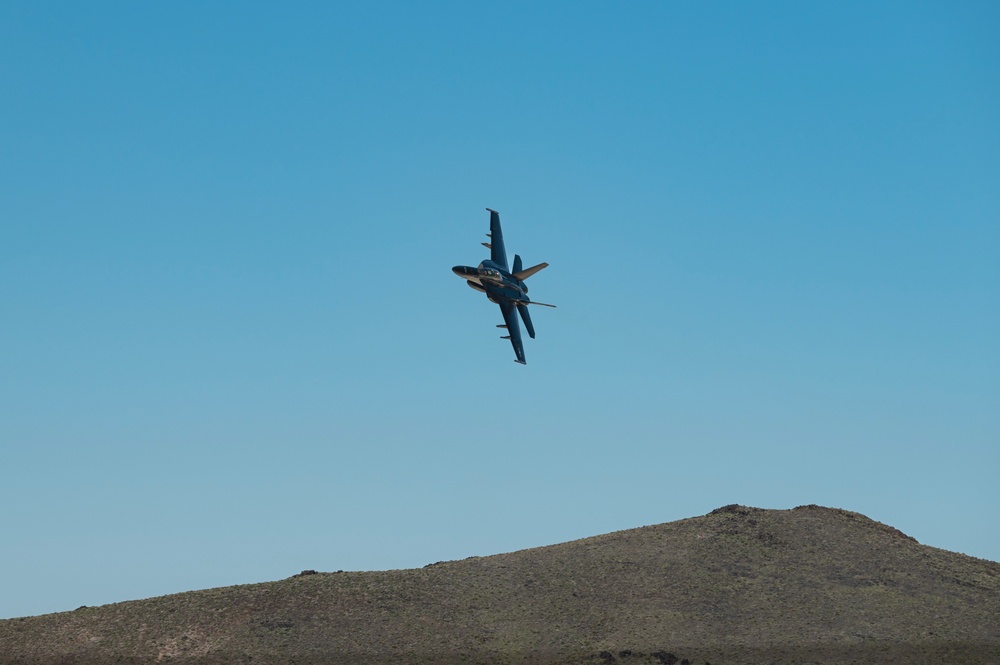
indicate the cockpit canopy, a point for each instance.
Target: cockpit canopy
{"x":491,"y":274}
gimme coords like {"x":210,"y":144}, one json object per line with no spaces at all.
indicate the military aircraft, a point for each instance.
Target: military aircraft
{"x":504,"y":286}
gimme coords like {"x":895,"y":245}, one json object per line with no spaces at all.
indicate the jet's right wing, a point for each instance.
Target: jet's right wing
{"x":513,"y":329}
{"x":497,"y":252}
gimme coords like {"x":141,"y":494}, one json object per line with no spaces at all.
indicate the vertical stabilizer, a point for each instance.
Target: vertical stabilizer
{"x":513,"y":329}
{"x":517,"y":264}
{"x":526,"y":317}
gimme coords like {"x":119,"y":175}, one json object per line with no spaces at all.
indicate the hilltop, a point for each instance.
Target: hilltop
{"x":739,"y":585}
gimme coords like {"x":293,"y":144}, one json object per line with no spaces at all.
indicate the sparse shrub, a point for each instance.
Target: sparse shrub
{"x":665,"y":657}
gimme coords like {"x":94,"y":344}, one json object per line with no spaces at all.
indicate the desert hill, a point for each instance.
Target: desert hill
{"x":739,"y":585}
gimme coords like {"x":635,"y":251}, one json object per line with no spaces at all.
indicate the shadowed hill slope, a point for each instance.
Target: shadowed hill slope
{"x":739,"y":585}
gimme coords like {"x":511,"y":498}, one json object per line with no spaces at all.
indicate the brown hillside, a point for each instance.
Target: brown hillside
{"x":739,"y":585}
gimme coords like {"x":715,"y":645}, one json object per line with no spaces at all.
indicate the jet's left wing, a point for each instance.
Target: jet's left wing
{"x":497,"y":252}
{"x":513,"y":329}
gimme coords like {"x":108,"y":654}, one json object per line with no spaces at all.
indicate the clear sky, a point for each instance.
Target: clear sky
{"x":232,"y":348}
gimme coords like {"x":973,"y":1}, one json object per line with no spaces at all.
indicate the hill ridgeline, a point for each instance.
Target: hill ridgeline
{"x":739,"y":585}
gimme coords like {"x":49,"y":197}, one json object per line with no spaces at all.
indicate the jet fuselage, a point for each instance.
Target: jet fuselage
{"x":494,"y":281}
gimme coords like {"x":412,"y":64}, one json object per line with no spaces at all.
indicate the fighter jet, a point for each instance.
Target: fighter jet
{"x":504,"y":286}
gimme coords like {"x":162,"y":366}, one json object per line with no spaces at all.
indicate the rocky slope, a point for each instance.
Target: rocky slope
{"x":739,"y":585}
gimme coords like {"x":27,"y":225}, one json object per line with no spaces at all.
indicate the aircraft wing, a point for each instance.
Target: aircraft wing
{"x":497,"y":252}
{"x":513,"y":329}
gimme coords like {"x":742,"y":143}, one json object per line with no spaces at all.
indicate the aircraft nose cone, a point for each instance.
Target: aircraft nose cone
{"x":464,"y":271}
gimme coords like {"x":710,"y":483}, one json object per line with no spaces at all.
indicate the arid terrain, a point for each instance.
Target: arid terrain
{"x":739,"y":585}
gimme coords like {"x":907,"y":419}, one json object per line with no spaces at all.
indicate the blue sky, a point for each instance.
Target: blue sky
{"x":233,"y":348}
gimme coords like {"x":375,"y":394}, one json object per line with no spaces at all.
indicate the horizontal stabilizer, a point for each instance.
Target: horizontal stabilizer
{"x":486,"y":245}
{"x":528,"y":272}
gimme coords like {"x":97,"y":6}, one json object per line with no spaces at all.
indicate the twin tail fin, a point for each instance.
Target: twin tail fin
{"x":524,"y":274}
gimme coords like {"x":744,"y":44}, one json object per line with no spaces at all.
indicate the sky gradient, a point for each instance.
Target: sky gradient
{"x":233,"y":347}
